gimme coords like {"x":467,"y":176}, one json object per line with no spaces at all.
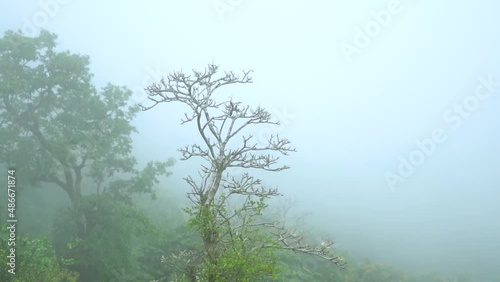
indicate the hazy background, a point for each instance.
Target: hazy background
{"x":350,"y":117}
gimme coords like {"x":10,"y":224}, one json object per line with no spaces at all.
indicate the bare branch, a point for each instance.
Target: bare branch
{"x":247,"y":185}
{"x":194,"y":151}
{"x":294,"y":241}
{"x":179,"y":87}
{"x":220,"y":125}
{"x":185,"y":262}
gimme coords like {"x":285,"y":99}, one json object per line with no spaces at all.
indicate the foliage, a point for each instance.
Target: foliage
{"x":245,"y":252}
{"x":118,"y":232}
{"x":62,"y":131}
{"x":35,"y":261}
{"x":60,"y":128}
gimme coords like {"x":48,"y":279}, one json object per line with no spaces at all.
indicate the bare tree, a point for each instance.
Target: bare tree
{"x":228,"y":143}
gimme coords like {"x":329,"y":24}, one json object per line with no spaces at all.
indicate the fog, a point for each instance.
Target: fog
{"x":391,"y":105}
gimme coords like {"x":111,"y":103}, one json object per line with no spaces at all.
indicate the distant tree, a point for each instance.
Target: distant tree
{"x":238,"y":243}
{"x":119,"y":236}
{"x":57,"y":128}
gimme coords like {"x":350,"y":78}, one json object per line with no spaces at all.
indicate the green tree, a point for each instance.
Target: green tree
{"x":238,"y":243}
{"x":57,"y":128}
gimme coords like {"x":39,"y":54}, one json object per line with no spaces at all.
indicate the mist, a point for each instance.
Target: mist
{"x":391,"y":105}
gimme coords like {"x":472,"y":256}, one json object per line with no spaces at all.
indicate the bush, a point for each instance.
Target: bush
{"x":35,"y":261}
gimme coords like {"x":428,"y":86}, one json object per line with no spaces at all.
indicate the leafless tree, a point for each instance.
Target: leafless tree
{"x":228,"y":143}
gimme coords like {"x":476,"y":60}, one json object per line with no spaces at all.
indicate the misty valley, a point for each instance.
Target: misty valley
{"x":187,"y":141}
